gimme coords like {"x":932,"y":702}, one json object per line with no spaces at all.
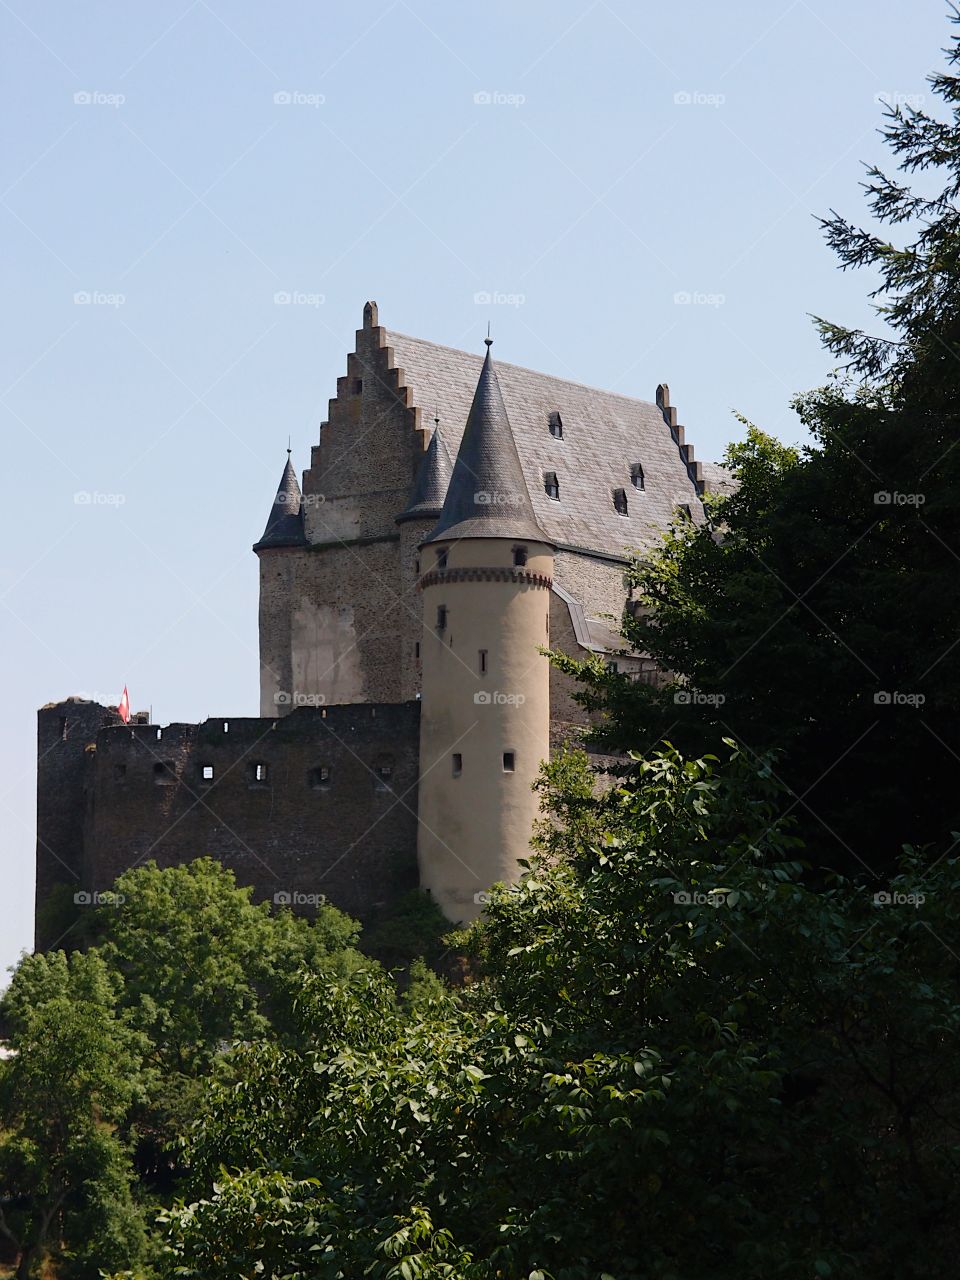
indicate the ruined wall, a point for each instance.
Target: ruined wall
{"x":64,"y":731}
{"x":320,"y":802}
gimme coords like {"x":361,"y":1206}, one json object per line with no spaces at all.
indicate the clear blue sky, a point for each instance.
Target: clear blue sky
{"x":182,"y":196}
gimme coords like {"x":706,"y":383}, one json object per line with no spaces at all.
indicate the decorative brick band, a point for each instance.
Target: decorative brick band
{"x":478,"y":574}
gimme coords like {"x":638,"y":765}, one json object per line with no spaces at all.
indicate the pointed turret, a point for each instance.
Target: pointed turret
{"x":285,"y":526}
{"x":487,"y":496}
{"x":432,"y":482}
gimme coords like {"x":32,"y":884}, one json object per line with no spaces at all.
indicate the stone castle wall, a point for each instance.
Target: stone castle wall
{"x":320,"y":802}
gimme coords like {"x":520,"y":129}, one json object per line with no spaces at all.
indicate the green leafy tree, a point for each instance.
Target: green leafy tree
{"x":681,"y":1061}
{"x":72,"y":1077}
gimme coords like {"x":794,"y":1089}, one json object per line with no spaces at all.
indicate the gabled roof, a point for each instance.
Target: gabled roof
{"x":285,"y":525}
{"x":603,"y":435}
{"x":487,"y":496}
{"x":433,"y":479}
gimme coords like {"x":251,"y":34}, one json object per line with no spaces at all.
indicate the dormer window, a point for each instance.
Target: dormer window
{"x":551,"y":486}
{"x":519,"y":557}
{"x":442,"y":553}
{"x":620,"y":502}
{"x":637,"y":478}
{"x":556,"y":425}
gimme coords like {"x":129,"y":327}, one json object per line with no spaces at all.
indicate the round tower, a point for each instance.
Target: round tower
{"x":486,"y":571}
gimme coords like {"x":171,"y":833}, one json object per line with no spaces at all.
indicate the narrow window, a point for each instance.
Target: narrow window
{"x":259,"y":772}
{"x":206,"y":773}
{"x":551,"y":486}
{"x":159,"y":734}
{"x":120,"y":772}
{"x":441,"y":617}
{"x":519,"y":556}
{"x":416,"y":566}
{"x":637,"y":478}
{"x":416,"y":650}
{"x":556,"y":425}
{"x":483,"y":661}
{"x":226,"y":726}
{"x":509,"y":762}
{"x":457,"y":764}
{"x":319,"y":777}
{"x":620,"y":502}
{"x":442,"y":558}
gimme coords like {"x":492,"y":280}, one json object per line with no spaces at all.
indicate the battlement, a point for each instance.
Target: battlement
{"x":319,"y":804}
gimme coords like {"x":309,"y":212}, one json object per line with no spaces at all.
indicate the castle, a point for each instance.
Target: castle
{"x":457,"y":518}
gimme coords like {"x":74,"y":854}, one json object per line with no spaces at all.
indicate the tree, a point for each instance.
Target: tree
{"x":74,"y":1073}
{"x":680,"y":1061}
{"x":817,"y":610}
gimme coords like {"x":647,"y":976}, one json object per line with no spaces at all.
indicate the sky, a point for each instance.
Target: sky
{"x":198,"y":197}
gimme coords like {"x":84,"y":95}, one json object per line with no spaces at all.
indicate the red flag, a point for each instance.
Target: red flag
{"x":123,"y":711}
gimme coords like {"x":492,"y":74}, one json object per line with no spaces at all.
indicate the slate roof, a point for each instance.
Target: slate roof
{"x":285,"y":525}
{"x":430,"y":486}
{"x":487,"y":496}
{"x":718,"y":479}
{"x":603,"y":435}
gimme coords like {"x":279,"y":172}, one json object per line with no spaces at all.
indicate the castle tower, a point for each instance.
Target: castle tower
{"x":485,"y":715}
{"x":415,"y":522}
{"x":282,"y":539}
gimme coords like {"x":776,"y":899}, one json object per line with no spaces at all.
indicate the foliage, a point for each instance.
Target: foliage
{"x":682,"y":1062}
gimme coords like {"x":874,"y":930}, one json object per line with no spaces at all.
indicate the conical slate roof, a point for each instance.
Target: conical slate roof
{"x":487,"y":496}
{"x":285,"y":526}
{"x":432,"y":482}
